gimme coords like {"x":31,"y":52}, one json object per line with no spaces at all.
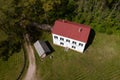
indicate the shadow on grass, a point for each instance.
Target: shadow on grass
{"x":8,"y":48}
{"x":34,"y":32}
{"x":50,"y":47}
{"x":90,"y":39}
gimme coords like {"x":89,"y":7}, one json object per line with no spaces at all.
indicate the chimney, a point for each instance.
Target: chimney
{"x":63,"y":20}
{"x":80,"y":29}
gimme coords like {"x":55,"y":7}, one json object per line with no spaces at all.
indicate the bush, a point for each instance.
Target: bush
{"x":101,"y":28}
{"x":109,"y":32}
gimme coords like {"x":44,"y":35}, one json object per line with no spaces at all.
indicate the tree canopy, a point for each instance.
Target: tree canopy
{"x":15,"y":16}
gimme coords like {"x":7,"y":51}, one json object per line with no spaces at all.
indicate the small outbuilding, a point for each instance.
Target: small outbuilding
{"x":41,"y":48}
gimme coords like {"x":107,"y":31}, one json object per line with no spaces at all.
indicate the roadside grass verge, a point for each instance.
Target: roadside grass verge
{"x":10,"y":70}
{"x":25,"y":65}
{"x":101,"y":61}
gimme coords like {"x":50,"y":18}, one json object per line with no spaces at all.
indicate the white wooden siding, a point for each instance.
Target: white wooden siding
{"x":78,"y":48}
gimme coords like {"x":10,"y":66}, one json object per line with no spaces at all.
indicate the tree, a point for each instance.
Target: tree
{"x":59,"y":9}
{"x":16,"y":17}
{"x":102,"y":15}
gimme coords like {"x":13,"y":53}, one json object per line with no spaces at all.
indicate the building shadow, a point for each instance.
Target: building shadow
{"x":50,"y":47}
{"x":90,"y":39}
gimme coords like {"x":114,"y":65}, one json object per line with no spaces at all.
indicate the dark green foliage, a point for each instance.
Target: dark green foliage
{"x":63,"y":10}
{"x":34,"y":33}
{"x":102,"y":15}
{"x":8,"y":47}
{"x":101,"y":28}
{"x":17,"y":16}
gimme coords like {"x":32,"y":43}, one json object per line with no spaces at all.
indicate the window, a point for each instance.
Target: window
{"x":80,"y":44}
{"x":62,"y":39}
{"x":67,"y":40}
{"x":55,"y":37}
{"x":74,"y":42}
{"x":73,"y":47}
{"x":61,"y":43}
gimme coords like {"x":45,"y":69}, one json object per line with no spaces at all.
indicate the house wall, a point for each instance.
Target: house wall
{"x":68,"y":42}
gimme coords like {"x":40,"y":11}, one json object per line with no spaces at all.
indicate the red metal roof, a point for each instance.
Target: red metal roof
{"x":72,"y":30}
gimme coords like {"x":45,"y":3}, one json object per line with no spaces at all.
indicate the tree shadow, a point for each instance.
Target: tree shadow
{"x":90,"y":39}
{"x":50,"y":47}
{"x":8,"y":48}
{"x":34,"y":32}
{"x":5,"y":55}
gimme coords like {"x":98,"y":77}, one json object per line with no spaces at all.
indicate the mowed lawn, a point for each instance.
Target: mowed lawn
{"x":10,"y":70}
{"x":101,"y":61}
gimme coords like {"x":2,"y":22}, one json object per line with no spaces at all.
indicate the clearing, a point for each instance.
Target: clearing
{"x":101,"y":61}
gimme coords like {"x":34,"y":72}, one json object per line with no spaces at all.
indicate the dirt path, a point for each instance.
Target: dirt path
{"x":31,"y":72}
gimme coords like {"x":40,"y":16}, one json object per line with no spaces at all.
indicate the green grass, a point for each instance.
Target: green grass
{"x":10,"y":70}
{"x":101,"y":61}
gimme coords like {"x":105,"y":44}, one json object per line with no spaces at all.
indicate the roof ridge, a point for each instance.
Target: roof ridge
{"x":74,"y":23}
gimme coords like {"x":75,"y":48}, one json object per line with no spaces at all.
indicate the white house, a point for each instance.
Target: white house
{"x":41,"y":48}
{"x":71,"y":35}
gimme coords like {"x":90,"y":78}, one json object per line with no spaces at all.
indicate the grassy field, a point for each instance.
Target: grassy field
{"x":10,"y":70}
{"x":101,"y":61}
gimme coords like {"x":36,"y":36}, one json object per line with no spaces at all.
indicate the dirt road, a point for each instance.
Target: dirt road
{"x":31,"y":72}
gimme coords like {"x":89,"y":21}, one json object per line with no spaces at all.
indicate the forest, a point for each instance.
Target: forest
{"x":16,"y":16}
